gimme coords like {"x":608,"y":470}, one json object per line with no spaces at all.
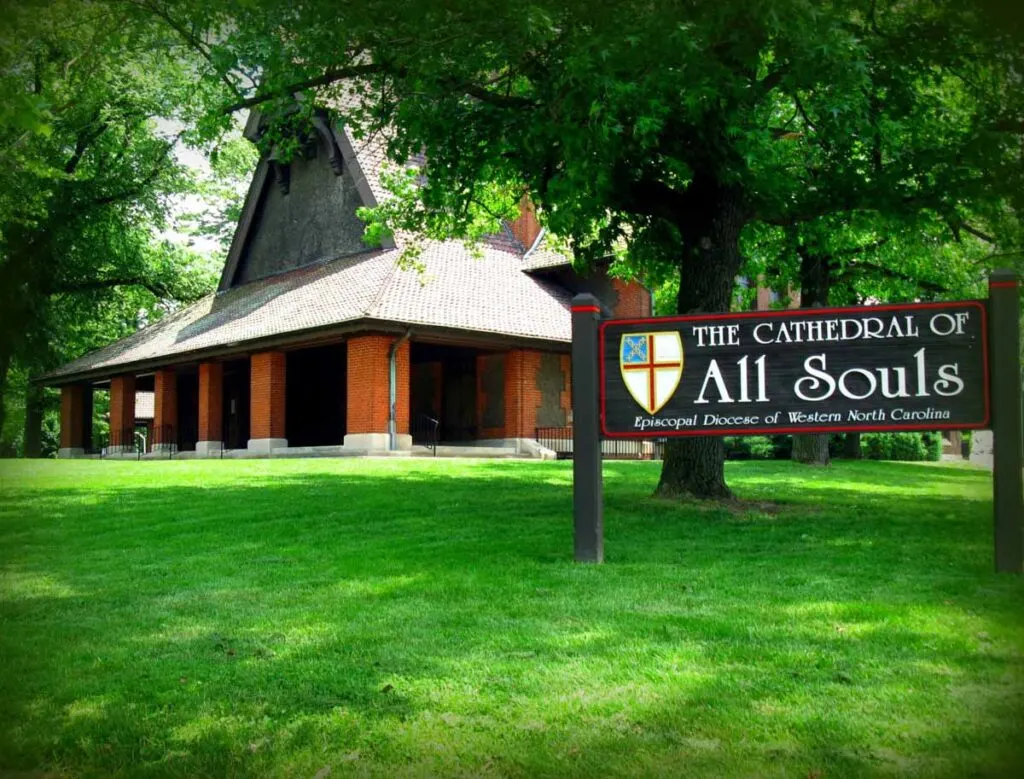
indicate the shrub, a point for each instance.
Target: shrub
{"x":900,"y":446}
{"x":761,"y":448}
{"x":933,"y":446}
{"x":736,"y":447}
{"x":783,"y":446}
{"x":758,"y":447}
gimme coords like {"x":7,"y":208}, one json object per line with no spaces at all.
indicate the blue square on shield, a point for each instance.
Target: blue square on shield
{"x":634,"y":348}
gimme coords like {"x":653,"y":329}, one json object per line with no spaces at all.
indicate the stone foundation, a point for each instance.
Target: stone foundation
{"x":209,"y":448}
{"x":264,"y":446}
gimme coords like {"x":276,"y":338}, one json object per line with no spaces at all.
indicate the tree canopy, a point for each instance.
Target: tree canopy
{"x":671,"y":128}
{"x":693,"y":135}
{"x":94,"y":98}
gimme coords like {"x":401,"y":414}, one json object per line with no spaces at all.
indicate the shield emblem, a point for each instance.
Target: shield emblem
{"x":651,"y":365}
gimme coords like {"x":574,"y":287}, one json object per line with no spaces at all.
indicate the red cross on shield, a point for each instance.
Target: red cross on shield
{"x":651,"y":365}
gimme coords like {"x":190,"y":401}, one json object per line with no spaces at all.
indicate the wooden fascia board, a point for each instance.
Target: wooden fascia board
{"x":252,"y":200}
{"x":308,"y":338}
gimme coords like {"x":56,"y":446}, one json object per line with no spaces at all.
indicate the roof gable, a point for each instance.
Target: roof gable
{"x":301,"y":212}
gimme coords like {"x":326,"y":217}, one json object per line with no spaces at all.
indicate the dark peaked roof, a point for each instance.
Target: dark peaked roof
{"x":454,"y":290}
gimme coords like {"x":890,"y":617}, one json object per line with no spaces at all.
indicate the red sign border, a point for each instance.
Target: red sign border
{"x":791,"y":312}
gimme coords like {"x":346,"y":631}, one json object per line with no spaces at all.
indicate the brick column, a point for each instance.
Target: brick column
{"x":165,"y":410}
{"x":72,"y":420}
{"x":211,"y":408}
{"x":267,"y":402}
{"x":522,"y":396}
{"x":566,"y":400}
{"x":122,"y":414}
{"x":368,"y":393}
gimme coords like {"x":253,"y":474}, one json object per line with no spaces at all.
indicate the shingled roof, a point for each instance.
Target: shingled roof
{"x":452,"y":290}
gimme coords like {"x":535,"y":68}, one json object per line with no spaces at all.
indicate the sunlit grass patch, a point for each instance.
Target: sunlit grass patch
{"x":393,"y":618}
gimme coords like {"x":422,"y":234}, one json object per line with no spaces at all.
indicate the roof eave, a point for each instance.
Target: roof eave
{"x":306,"y":338}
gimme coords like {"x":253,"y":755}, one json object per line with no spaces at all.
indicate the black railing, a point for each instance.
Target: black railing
{"x":165,"y":440}
{"x":124,"y":441}
{"x":97,"y":444}
{"x":559,"y":440}
{"x":424,"y":432}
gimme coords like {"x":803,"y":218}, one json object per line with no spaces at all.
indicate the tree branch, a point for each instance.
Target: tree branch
{"x":87,"y":285}
{"x":864,"y":248}
{"x":803,"y":113}
{"x":977,"y":233}
{"x":493,"y":98}
{"x":82,"y":144}
{"x":329,"y":77}
{"x":772,"y":80}
{"x":197,"y":45}
{"x":870,"y":267}
{"x":1008,"y":126}
{"x":651,"y":197}
{"x":139,"y":187}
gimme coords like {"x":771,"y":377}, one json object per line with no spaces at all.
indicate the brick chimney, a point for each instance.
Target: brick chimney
{"x":526,"y":228}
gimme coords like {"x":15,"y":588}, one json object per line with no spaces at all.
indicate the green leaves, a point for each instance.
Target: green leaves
{"x":94,"y":101}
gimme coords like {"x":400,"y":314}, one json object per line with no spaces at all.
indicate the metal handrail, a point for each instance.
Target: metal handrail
{"x":424,"y":431}
{"x":165,"y":435}
{"x":559,"y":440}
{"x":125,"y":440}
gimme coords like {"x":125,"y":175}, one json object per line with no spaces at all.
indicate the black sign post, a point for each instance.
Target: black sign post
{"x":1004,"y":327}
{"x":587,"y":485}
{"x":915,"y":366}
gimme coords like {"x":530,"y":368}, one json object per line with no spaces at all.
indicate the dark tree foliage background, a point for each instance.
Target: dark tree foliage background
{"x":858,"y":149}
{"x":686,"y":135}
{"x":95,"y":101}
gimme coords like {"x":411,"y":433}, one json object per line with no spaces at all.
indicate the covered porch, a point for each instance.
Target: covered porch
{"x":369,"y":393}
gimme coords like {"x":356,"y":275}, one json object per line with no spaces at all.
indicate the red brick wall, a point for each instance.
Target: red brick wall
{"x":634,"y":301}
{"x":122,"y":409}
{"x":522,"y":397}
{"x":368,"y":385}
{"x":72,"y":409}
{"x":211,"y":401}
{"x":267,"y":395}
{"x":567,"y":392}
{"x":526,"y":228}
{"x":165,"y":405}
{"x":763,"y":300}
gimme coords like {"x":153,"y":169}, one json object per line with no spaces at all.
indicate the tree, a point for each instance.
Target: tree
{"x":88,"y":174}
{"x":867,"y":257}
{"x":669,"y":127}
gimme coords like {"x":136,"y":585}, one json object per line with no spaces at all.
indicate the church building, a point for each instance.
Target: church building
{"x":315,"y":343}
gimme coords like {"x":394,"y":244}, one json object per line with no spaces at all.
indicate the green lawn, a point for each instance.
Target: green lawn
{"x":414,"y":618}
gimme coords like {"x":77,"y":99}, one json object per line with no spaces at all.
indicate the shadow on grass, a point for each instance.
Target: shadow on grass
{"x":180,"y":628}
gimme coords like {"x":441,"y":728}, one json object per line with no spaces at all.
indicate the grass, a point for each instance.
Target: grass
{"x":414,"y":618}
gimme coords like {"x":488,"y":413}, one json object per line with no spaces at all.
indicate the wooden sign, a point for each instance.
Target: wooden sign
{"x":911,"y":367}
{"x":920,"y":366}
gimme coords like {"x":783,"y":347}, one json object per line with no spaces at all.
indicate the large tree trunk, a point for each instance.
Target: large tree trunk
{"x":695,"y":467}
{"x":5,"y":366}
{"x":811,"y":449}
{"x":851,"y":446}
{"x":34,"y":398}
{"x":815,"y":285}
